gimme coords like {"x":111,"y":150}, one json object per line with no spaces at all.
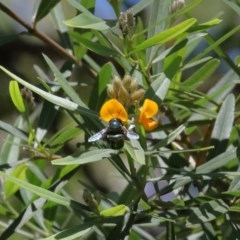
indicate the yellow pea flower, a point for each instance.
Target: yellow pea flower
{"x":113,"y":109}
{"x":147,"y":112}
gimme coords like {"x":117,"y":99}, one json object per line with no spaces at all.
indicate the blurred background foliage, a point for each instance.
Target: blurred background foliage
{"x":22,"y":54}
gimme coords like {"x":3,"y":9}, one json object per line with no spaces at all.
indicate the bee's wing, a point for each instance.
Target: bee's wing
{"x":98,"y":135}
{"x":130,"y":134}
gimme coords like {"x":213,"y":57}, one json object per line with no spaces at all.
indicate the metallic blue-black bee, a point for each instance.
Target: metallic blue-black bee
{"x":114,"y":134}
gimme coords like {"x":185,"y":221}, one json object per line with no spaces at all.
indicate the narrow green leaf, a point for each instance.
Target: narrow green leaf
{"x":44,"y":8}
{"x":95,"y":47}
{"x":223,"y":126}
{"x":159,"y":88}
{"x":16,"y":96}
{"x":201,"y":75}
{"x":235,"y":193}
{"x":87,"y":157}
{"x":206,"y":25}
{"x":158,"y":23}
{"x":86,"y":21}
{"x":73,"y":233}
{"x":116,"y":211}
{"x":9,"y":128}
{"x":20,"y":173}
{"x":166,"y":35}
{"x":216,"y":43}
{"x":208,"y":212}
{"x":104,"y":77}
{"x":62,"y":102}
{"x":79,"y":7}
{"x":64,"y":135}
{"x":135,"y":150}
{"x":217,"y":162}
{"x":41,"y":192}
{"x":10,"y":149}
{"x":171,"y":137}
{"x":64,"y":83}
{"x":233,"y":5}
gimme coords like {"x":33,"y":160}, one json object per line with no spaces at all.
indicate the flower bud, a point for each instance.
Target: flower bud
{"x":123,"y":95}
{"x":111,"y":92}
{"x":134,"y":85}
{"x":177,"y":4}
{"x":138,"y":95}
{"x":127,"y":80}
{"x":126,"y":22}
{"x":28,"y":98}
{"x":117,"y":83}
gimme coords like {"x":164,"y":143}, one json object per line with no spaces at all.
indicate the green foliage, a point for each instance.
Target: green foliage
{"x":178,"y":181}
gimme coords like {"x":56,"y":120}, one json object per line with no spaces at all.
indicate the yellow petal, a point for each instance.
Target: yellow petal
{"x":149,"y":109}
{"x":148,"y":123}
{"x":113,"y":109}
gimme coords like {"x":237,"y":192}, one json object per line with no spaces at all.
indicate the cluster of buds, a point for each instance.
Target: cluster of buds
{"x":177,"y":4}
{"x":126,"y":91}
{"x":126,"y":22}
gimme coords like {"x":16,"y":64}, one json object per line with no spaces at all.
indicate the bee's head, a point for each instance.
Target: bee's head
{"x":115,"y":123}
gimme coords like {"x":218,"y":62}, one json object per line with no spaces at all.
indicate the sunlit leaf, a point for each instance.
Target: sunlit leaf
{"x":20,"y":173}
{"x":39,"y":191}
{"x":116,"y":211}
{"x":166,"y":35}
{"x":87,"y":21}
{"x":62,"y":102}
{"x":72,"y":233}
{"x":159,"y":88}
{"x":135,"y":150}
{"x":16,"y":96}
{"x":87,"y":157}
{"x":223,"y":126}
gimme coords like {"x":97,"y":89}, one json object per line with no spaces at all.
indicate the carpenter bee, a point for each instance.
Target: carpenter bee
{"x":114,"y":134}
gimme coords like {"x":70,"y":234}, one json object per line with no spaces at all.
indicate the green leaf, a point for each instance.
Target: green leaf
{"x":10,"y":149}
{"x":217,"y":162}
{"x":206,"y":25}
{"x":233,"y":5}
{"x":16,"y":96}
{"x":95,"y":47}
{"x":208,"y":212}
{"x":157,"y":22}
{"x":104,"y":77}
{"x":135,"y":150}
{"x":64,"y":83}
{"x":223,"y":126}
{"x":62,"y":102}
{"x":72,"y":233}
{"x":20,"y":173}
{"x":64,"y":135}
{"x":166,"y":35}
{"x":41,"y":192}
{"x":202,"y":74}
{"x":86,"y":21}
{"x":44,"y":8}
{"x":87,"y":157}
{"x":159,"y":88}
{"x":116,"y":211}
{"x":9,"y":128}
{"x":170,"y":138}
{"x":216,"y":43}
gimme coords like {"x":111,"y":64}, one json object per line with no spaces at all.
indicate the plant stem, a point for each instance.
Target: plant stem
{"x":34,"y":31}
{"x":130,"y":221}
